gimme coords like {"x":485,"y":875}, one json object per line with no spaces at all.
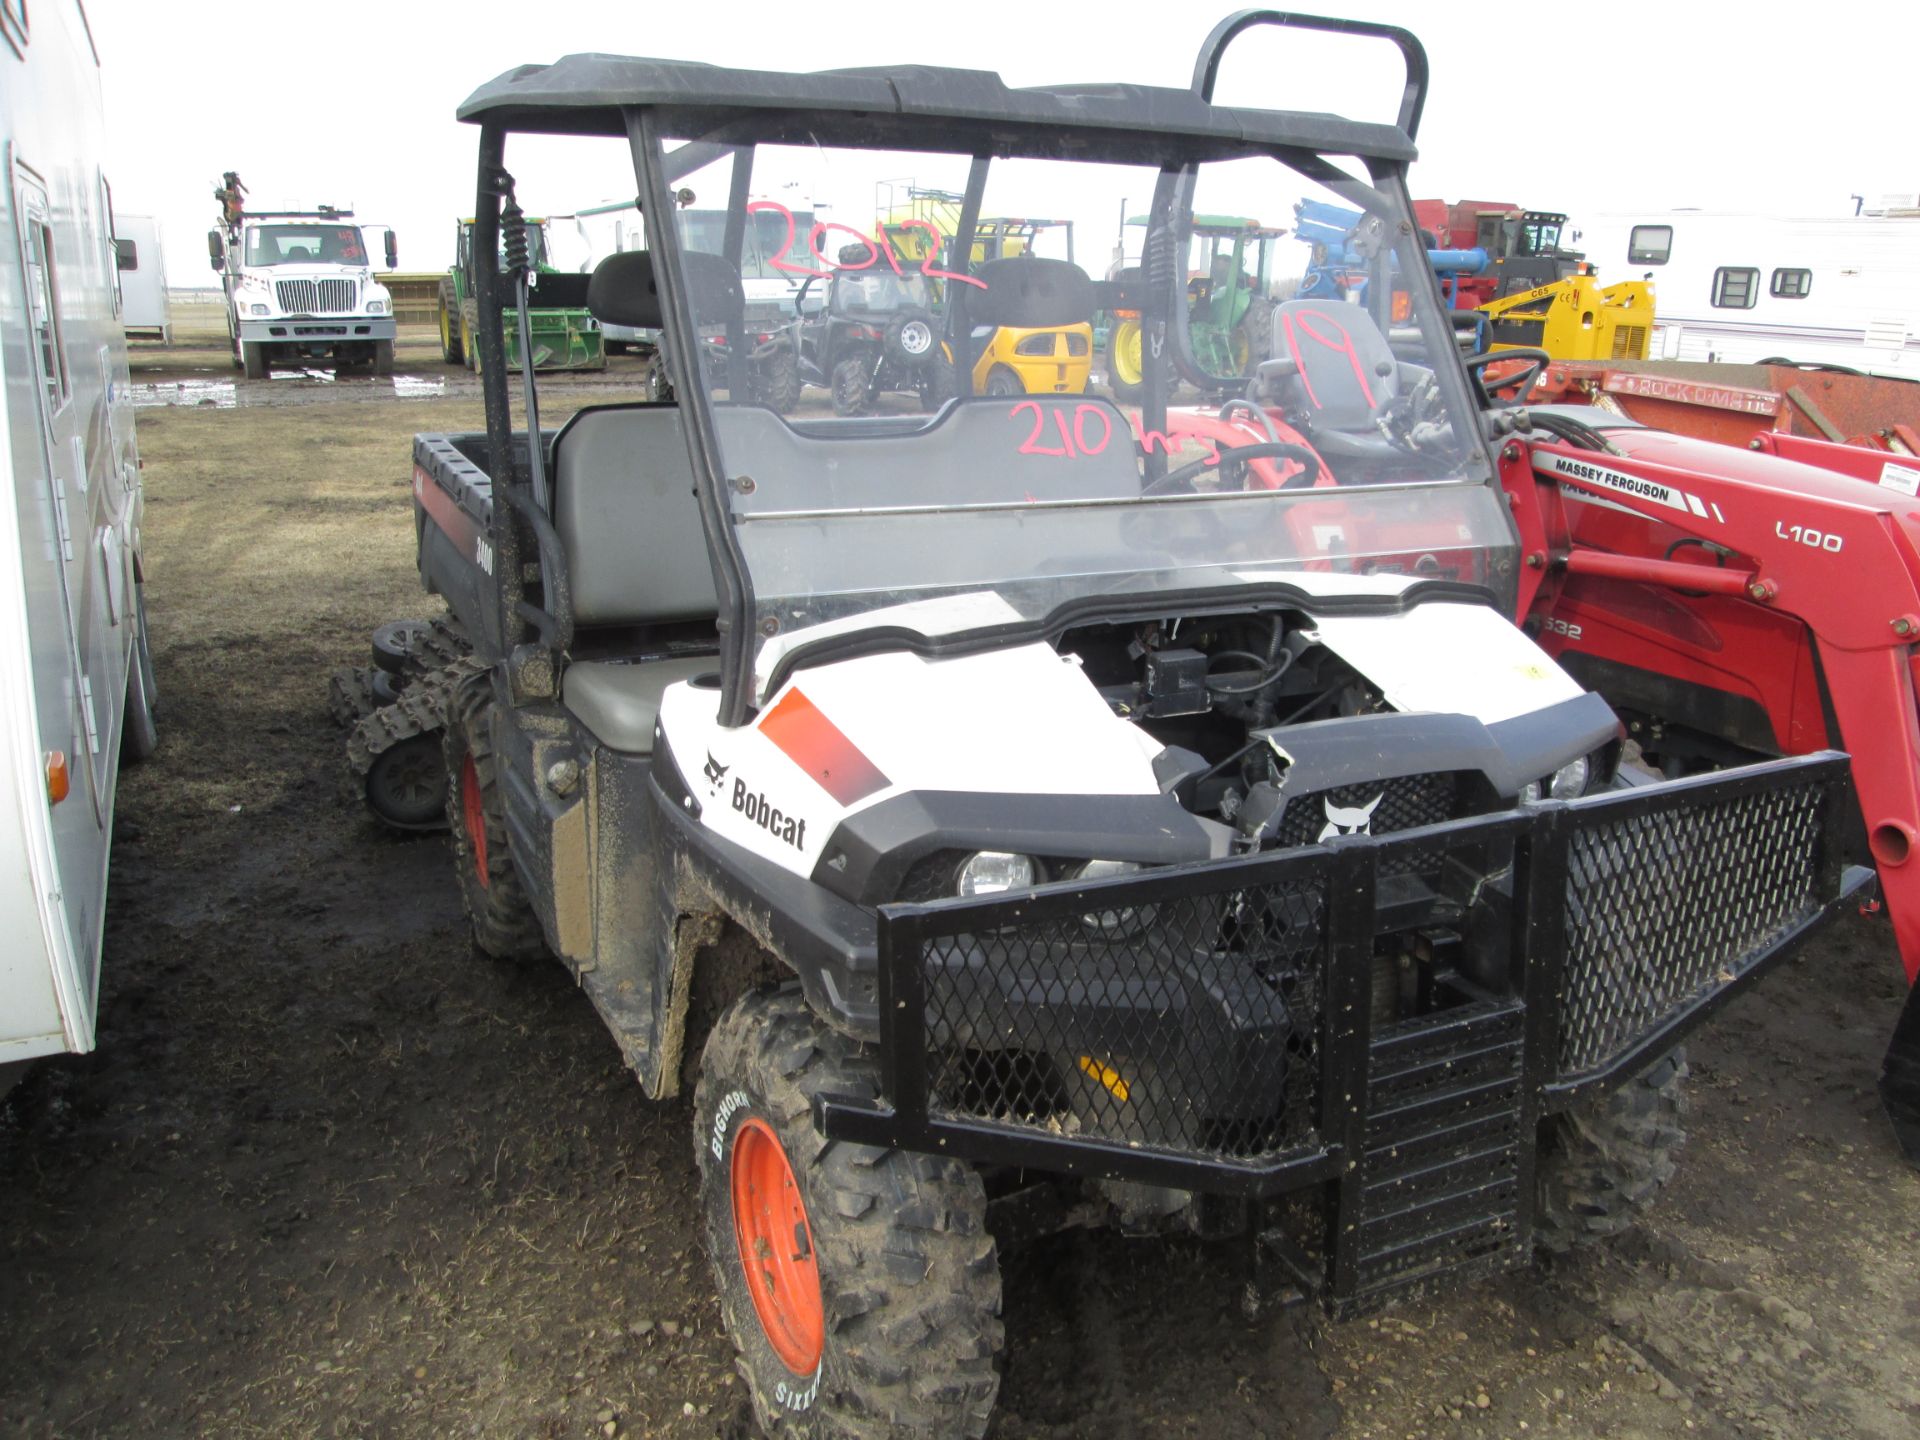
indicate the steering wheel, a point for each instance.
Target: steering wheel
{"x":1523,"y":378}
{"x":1178,"y":482}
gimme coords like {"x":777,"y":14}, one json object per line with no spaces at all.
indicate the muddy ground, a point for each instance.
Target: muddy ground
{"x":329,"y":1173}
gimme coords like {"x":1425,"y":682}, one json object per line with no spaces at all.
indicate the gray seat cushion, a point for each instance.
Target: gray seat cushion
{"x":627,"y":518}
{"x":619,"y":700}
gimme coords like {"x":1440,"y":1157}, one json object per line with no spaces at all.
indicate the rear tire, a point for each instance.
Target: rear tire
{"x":1002,"y":383}
{"x":253,"y":359}
{"x":1602,"y":1164}
{"x":881,"y":1315}
{"x":452,"y":340}
{"x":851,"y":393}
{"x":498,"y":911}
{"x":776,"y":380}
{"x":936,"y":384}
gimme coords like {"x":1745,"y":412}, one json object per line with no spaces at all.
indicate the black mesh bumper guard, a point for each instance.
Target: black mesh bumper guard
{"x":1210,"y":1027}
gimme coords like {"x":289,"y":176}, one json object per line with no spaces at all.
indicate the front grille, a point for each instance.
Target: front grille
{"x":315,"y":297}
{"x":1399,"y":804}
{"x":1630,"y":342}
{"x":1188,"y":1025}
{"x":1661,"y":905}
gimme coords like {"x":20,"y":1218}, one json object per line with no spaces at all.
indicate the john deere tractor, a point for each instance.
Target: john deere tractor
{"x":565,"y":335}
{"x":1230,"y":301}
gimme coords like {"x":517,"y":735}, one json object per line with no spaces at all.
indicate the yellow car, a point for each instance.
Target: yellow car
{"x":1054,"y":360}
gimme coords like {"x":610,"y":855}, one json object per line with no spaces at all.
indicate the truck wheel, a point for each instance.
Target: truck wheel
{"x":140,"y":735}
{"x":1600,"y":1165}
{"x":851,"y":395}
{"x":451,"y":340}
{"x":253,"y":359}
{"x":860,"y":1285}
{"x":383,"y":357}
{"x":498,"y":910}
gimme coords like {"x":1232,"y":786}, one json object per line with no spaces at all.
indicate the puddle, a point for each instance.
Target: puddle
{"x":290,"y":387}
{"x":147,"y":394}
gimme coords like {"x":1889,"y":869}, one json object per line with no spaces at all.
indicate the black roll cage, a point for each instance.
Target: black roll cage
{"x":735,"y":111}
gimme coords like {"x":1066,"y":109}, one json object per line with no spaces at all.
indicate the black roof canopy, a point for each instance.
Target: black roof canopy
{"x":947,"y":109}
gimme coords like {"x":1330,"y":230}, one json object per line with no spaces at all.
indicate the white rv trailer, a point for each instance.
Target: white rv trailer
{"x":143,"y":277}
{"x":1744,"y":288}
{"x":76,"y":679}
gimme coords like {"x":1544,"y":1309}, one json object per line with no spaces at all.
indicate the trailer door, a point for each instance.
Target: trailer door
{"x":71,"y":704}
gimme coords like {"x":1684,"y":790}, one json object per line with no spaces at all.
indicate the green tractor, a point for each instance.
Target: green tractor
{"x":1230,"y":300}
{"x":565,"y":337}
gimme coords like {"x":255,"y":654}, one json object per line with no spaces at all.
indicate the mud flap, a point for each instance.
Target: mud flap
{"x":1900,"y":1078}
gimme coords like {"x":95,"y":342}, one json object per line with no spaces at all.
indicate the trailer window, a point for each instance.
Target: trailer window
{"x":1791,"y":284}
{"x":126,"y":254}
{"x":1735,"y":287}
{"x":43,"y":297}
{"x":1650,"y":245}
{"x":13,"y":25}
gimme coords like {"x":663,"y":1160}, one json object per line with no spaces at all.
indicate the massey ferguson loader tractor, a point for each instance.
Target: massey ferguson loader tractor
{"x":1740,"y":604}
{"x":1042,"y":812}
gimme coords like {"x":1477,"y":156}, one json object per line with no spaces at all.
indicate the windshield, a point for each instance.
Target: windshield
{"x":981,"y":442}
{"x":305,"y":245}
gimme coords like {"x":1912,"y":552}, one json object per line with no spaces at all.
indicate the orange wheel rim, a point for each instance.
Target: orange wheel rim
{"x":476,"y":817}
{"x":776,"y":1248}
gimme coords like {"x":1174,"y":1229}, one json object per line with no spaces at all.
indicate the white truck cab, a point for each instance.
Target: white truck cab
{"x":299,"y":285}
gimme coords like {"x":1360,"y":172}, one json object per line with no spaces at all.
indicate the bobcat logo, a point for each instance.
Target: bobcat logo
{"x":716,"y":773}
{"x":1350,"y":820}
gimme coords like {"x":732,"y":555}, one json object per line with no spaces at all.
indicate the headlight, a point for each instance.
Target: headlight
{"x":1129,"y":920}
{"x":376,"y":307}
{"x":258,"y":309}
{"x":1569,"y":781}
{"x":989,"y":872}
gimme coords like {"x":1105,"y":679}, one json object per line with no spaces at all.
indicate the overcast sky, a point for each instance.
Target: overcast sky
{"x":1787,"y":109}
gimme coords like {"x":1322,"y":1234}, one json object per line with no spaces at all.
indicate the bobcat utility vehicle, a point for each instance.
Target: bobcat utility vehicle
{"x":1039,"y":812}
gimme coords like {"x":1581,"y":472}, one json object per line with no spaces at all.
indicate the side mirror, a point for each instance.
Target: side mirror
{"x":216,"y":250}
{"x":393,"y":252}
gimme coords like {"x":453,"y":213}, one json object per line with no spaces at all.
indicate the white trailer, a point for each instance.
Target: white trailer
{"x":1743,"y":288}
{"x":76,"y":678}
{"x":143,"y":277}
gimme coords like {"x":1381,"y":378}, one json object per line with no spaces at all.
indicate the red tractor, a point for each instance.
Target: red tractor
{"x":1732,"y":605}
{"x":1738,"y":603}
